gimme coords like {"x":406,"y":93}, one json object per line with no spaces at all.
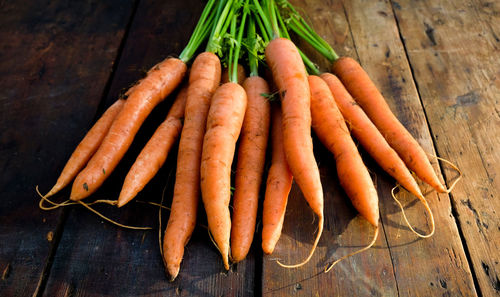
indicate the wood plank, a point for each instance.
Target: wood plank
{"x":51,"y":52}
{"x":430,"y":267}
{"x":367,"y":274}
{"x":96,"y":258}
{"x":453,"y":47}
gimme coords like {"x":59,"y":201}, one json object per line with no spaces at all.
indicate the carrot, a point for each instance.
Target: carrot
{"x":87,"y":147}
{"x":155,"y":152}
{"x":278,"y":186}
{"x":250,"y":166}
{"x":291,"y":79}
{"x":159,"y":82}
{"x":364,"y":91}
{"x":203,"y":80}
{"x":369,"y":136}
{"x":224,"y":122}
{"x":241,"y":75}
{"x":332,"y":131}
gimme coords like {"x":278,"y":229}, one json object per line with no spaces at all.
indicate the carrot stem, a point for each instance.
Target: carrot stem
{"x":214,"y":42}
{"x":233,"y":68}
{"x":200,"y":32}
{"x":310,"y":66}
{"x":298,"y":25}
{"x":253,"y":62}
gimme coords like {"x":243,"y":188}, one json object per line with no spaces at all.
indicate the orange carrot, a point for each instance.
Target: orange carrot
{"x":159,"y":82}
{"x":241,"y":75}
{"x":224,"y":122}
{"x":87,"y":147}
{"x":364,"y":91}
{"x":369,"y":136}
{"x":331,"y":129}
{"x":279,"y":184}
{"x":203,"y":80}
{"x":290,"y":76}
{"x":155,"y":152}
{"x":250,"y":166}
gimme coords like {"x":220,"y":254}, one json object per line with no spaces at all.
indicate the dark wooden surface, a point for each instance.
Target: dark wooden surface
{"x":63,"y":62}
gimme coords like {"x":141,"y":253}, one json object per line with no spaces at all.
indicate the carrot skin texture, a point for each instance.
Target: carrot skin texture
{"x":291,"y":79}
{"x":224,"y":122}
{"x":160,"y":81}
{"x":250,"y":166}
{"x":369,"y":136}
{"x":204,"y":78}
{"x":332,"y":131}
{"x":364,"y":91}
{"x":290,"y":76}
{"x":87,"y":147}
{"x":155,"y":152}
{"x":278,"y":186}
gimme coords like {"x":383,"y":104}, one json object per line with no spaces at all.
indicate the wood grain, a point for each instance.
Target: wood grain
{"x":441,"y":261}
{"x":50,"y":53}
{"x":453,"y":47}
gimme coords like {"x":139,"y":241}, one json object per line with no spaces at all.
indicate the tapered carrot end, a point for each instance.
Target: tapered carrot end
{"x":173,"y":271}
{"x":79,"y":191}
{"x":238,"y":253}
{"x":268,"y":247}
{"x":123,"y":199}
{"x":56,"y":188}
{"x":225,"y":259}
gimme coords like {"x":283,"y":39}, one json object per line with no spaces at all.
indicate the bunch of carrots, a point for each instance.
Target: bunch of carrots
{"x":215,"y":109}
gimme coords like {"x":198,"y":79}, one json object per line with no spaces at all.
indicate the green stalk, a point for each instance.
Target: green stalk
{"x":262,"y":28}
{"x":264,"y":24}
{"x":272,"y":17}
{"x":214,"y":42}
{"x":233,"y":71}
{"x":253,"y":62}
{"x":199,"y":33}
{"x":232,"y":32}
{"x":310,"y":66}
{"x":301,"y":28}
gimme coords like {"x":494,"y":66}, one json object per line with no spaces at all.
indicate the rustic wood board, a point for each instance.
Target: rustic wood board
{"x":453,"y":47}
{"x":50,"y":53}
{"x":435,"y":61}
{"x":95,"y":258}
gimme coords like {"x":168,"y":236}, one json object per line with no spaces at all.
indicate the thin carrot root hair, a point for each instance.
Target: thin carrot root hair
{"x":427,"y":208}
{"x":453,"y":166}
{"x":43,"y":198}
{"x":110,"y":220}
{"x":375,"y":236}
{"x":320,"y":230}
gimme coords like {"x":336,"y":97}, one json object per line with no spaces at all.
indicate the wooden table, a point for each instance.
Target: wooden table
{"x":63,"y":62}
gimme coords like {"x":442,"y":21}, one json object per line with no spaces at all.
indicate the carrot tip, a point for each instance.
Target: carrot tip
{"x":173,"y":271}
{"x":447,"y":191}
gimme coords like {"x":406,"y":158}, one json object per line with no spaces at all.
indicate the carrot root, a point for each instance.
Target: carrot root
{"x":427,"y":208}
{"x":320,"y":230}
{"x":455,"y":167}
{"x":375,"y":236}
